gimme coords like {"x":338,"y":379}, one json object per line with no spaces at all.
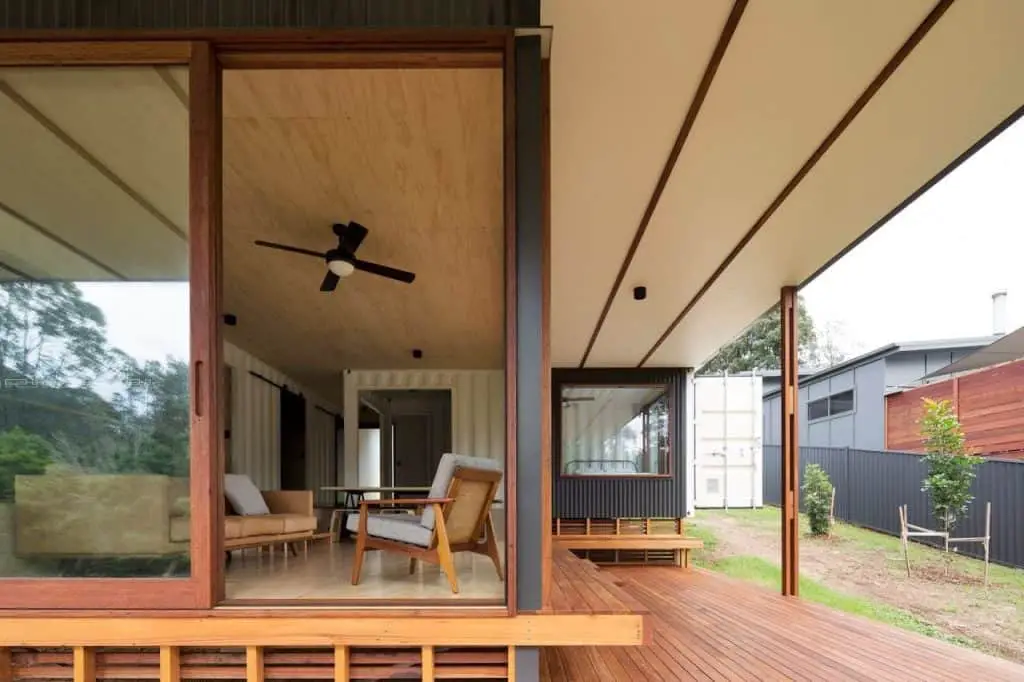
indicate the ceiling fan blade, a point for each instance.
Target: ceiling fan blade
{"x":384,"y":271}
{"x":293,"y":249}
{"x":350,"y":236}
{"x":330,"y":282}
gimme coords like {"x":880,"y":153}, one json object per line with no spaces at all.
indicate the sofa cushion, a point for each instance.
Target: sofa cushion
{"x":297,"y":523}
{"x":180,"y":529}
{"x":244,"y":496}
{"x":405,"y":528}
{"x":443,"y":478}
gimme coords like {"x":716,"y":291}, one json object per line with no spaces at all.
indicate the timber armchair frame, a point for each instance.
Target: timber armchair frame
{"x":458,"y":522}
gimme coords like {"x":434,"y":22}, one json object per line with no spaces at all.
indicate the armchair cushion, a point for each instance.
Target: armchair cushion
{"x":244,"y":496}
{"x":406,"y":528}
{"x":443,"y":478}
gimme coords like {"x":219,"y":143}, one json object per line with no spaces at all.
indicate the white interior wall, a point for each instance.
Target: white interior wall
{"x":369,"y":455}
{"x":254,"y":447}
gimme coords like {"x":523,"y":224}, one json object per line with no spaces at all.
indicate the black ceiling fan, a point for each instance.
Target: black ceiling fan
{"x":341,"y":260}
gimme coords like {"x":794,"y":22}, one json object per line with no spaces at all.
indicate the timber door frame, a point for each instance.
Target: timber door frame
{"x":207,"y":53}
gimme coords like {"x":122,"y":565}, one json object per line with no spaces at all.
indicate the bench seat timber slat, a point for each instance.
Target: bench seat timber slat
{"x":629,"y":540}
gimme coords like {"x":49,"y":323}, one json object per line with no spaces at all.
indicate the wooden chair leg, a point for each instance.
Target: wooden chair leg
{"x":492,"y":547}
{"x":444,"y":552}
{"x":357,"y":563}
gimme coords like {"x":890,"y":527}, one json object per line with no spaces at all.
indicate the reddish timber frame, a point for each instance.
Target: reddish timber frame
{"x":206,"y":53}
{"x":790,"y":446}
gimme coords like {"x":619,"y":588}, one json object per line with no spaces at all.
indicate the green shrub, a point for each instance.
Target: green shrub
{"x":817,"y":490}
{"x":23,"y":453}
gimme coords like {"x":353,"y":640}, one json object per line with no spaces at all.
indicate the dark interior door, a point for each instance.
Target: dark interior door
{"x":422,"y":431}
{"x":293,"y":441}
{"x":412,"y":447}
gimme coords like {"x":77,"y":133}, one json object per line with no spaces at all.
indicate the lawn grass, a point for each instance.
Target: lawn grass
{"x":766,"y":574}
{"x":768,"y":518}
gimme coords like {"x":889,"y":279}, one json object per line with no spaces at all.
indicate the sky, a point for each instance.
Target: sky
{"x":146,"y":320}
{"x":930,"y":272}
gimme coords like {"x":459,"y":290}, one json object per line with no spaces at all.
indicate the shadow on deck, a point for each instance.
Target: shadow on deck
{"x":702,"y":626}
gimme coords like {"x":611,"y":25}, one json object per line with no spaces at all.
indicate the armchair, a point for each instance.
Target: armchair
{"x":456,"y":518}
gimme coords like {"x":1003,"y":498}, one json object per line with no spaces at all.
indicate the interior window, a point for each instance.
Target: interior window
{"x":615,"y":431}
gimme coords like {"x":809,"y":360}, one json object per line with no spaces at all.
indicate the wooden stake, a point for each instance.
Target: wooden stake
{"x":988,"y":536}
{"x":832,"y":512}
{"x":903,"y":536}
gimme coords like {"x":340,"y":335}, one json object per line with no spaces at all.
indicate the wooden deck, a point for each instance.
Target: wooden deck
{"x":701,"y":626}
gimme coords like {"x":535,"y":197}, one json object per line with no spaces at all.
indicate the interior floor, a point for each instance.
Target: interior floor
{"x":326,"y":574}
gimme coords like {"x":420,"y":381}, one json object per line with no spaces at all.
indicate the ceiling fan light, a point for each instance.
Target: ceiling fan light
{"x":341,"y":268}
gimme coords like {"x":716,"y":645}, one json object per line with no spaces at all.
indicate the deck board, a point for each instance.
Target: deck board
{"x":703,"y":626}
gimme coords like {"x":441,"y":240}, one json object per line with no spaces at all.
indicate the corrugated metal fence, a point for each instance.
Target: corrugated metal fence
{"x":870,"y":485}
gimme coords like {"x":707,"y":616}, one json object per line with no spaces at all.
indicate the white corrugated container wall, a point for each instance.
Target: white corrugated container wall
{"x":254,"y":446}
{"x":728,"y":456}
{"x":478,"y":409}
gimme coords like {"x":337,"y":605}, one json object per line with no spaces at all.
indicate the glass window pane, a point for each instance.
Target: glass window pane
{"x":816,"y":409}
{"x":841,"y":402}
{"x":615,"y":431}
{"x":94,"y":322}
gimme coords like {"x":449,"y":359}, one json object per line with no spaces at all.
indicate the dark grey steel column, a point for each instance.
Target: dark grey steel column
{"x":529,"y":350}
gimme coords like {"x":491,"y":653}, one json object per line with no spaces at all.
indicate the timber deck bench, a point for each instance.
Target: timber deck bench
{"x":627,"y":541}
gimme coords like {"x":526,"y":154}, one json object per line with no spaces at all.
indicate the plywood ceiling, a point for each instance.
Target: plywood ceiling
{"x":94,"y":186}
{"x":416,"y":157}
{"x":624,"y":78}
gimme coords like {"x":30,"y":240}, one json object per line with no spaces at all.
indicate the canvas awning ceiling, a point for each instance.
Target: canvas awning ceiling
{"x":1006,"y":349}
{"x":715,"y":151}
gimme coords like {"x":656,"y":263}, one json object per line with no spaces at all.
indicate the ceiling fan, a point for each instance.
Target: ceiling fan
{"x":341,"y":260}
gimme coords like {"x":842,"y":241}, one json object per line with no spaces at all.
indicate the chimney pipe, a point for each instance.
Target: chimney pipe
{"x":999,"y":313}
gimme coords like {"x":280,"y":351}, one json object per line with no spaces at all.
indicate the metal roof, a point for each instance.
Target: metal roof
{"x":1003,"y":349}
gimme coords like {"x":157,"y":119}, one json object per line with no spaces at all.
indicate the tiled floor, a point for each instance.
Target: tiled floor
{"x":326,"y":574}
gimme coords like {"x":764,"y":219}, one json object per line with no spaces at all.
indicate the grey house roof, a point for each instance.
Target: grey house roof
{"x":892,"y":349}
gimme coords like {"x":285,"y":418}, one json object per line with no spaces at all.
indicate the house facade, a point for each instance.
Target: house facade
{"x":845,"y":406}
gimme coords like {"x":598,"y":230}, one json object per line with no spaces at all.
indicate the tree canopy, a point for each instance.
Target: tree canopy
{"x":71,"y":401}
{"x":760,"y":346}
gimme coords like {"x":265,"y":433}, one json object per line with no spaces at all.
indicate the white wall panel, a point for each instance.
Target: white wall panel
{"x":478,"y":410}
{"x":254,"y":447}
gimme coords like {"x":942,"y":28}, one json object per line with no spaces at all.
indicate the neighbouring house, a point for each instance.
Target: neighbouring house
{"x":844,"y":405}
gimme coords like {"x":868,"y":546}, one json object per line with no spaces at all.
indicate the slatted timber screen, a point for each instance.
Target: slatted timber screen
{"x":173,"y":664}
{"x":623,"y":526}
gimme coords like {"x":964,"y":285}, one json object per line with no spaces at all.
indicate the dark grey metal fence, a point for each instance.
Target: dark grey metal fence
{"x":870,"y":485}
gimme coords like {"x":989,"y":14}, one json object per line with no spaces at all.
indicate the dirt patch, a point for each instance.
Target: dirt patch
{"x":954,"y":602}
